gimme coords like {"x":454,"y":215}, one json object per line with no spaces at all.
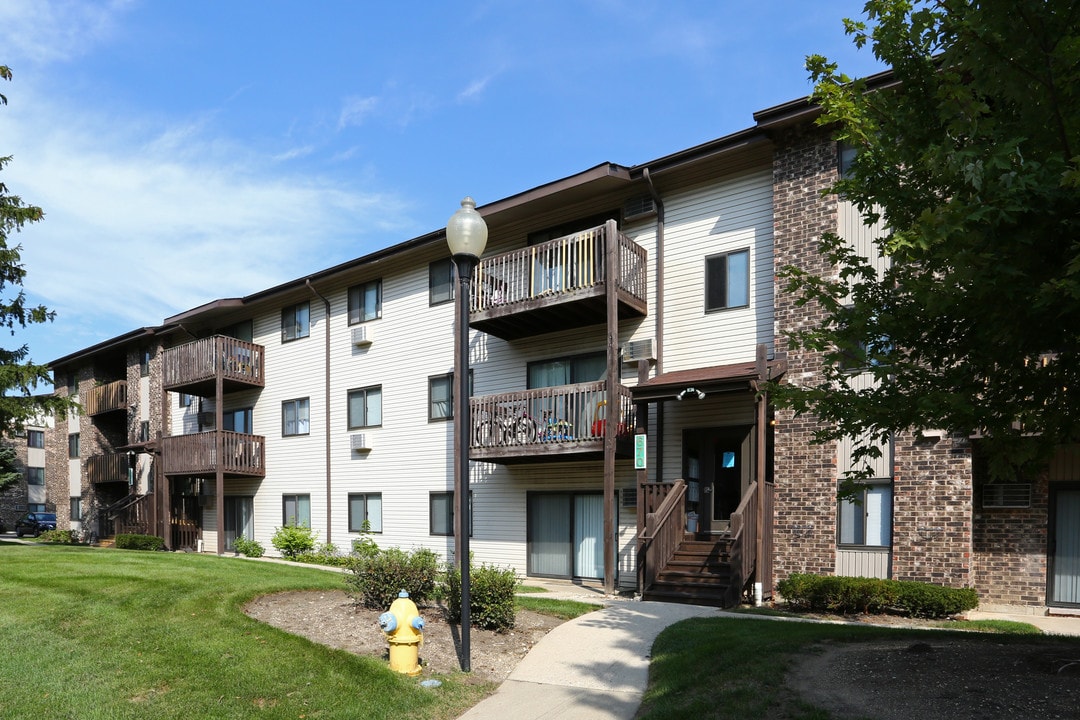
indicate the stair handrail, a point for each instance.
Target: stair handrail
{"x":120,"y":505}
{"x":663,"y":533}
{"x":743,"y":542}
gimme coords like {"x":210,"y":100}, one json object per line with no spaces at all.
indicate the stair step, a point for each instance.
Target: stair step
{"x":693,"y":578}
{"x":715,"y":599}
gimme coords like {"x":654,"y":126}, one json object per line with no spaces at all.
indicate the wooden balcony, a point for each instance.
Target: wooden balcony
{"x":194,"y":367}
{"x":196,"y":454}
{"x":105,"y":398}
{"x":109,"y":467}
{"x":558,"y":284}
{"x":564,"y":423}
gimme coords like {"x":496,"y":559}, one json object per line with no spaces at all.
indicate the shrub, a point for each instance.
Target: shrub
{"x":843,"y":595}
{"x":375,"y":580}
{"x":491,"y":596}
{"x":325,"y":554}
{"x":248,"y":548}
{"x":293,"y":540}
{"x":134,"y":541}
{"x":59,"y":537}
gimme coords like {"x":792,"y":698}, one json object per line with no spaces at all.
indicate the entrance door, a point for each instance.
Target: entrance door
{"x":1065,"y":548}
{"x":565,"y":535}
{"x":718,"y":459}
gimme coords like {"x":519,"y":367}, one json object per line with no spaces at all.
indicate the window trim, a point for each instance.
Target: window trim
{"x":453,"y":512}
{"x":35,"y":471}
{"x":358,"y":527}
{"x":35,"y":439}
{"x":300,"y":331}
{"x":449,"y":377}
{"x":360,"y":294}
{"x":296,"y":499}
{"x":75,"y":508}
{"x":879,"y":483}
{"x":73,"y":446}
{"x":449,"y":262}
{"x":293,"y":401}
{"x":348,"y":407}
{"x":749,"y":281}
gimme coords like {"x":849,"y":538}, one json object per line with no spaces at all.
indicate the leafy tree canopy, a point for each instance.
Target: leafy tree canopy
{"x":19,"y":376}
{"x":972,"y":160}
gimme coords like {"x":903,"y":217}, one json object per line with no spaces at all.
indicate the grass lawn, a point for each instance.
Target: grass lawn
{"x":113,"y":634}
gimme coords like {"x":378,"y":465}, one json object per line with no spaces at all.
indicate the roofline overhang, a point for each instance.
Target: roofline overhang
{"x":106,"y":345}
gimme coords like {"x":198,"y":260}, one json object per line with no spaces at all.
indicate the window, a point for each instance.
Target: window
{"x":441,"y":506}
{"x":144,"y":362}
{"x":441,"y":396}
{"x":73,"y":445}
{"x":294,"y":417}
{"x":237,"y":420}
{"x":144,"y":431}
{"x":35,"y":476}
{"x":866,"y":519}
{"x":296,"y":510}
{"x":365,"y":302}
{"x":295,"y":322}
{"x":441,"y":282}
{"x":365,"y":507}
{"x":243,"y":330}
{"x":365,"y":407}
{"x":185,"y":399}
{"x":567,"y":371}
{"x":727,"y":281}
{"x":35,"y":438}
{"x":72,"y":384}
{"x":845,"y":156}
{"x":76,"y":509}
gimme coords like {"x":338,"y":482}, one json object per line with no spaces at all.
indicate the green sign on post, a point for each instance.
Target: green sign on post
{"x":639,"y":451}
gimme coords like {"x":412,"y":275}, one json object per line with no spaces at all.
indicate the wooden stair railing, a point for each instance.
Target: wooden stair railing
{"x":663,"y":533}
{"x":744,"y":529}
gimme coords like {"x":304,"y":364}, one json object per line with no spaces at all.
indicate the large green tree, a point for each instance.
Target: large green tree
{"x":20,"y":378}
{"x":971,"y":159}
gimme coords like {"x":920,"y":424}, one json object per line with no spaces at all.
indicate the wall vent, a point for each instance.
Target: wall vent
{"x":639,"y":207}
{"x":1007,"y":495}
{"x":360,"y":442}
{"x":628,"y":497}
{"x":362,"y":336}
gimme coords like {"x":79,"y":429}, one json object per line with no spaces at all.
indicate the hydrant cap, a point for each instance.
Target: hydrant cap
{"x":388,"y":622}
{"x":403,"y":594}
{"x":418,"y":623}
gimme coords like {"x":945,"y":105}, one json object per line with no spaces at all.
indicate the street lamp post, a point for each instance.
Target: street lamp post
{"x":466,"y":234}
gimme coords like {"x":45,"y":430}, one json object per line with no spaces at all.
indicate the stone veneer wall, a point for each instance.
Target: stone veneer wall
{"x":13,"y":500}
{"x":805,"y":519}
{"x":1009,"y":550}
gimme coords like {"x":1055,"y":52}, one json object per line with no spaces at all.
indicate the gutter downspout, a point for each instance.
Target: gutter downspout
{"x":659,"y":317}
{"x":326,"y":407}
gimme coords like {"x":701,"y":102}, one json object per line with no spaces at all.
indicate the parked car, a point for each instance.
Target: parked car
{"x":35,"y":523}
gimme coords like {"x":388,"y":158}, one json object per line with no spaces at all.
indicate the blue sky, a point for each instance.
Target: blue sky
{"x":187,"y":151}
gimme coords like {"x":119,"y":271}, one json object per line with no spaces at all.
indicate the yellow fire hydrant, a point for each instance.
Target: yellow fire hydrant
{"x":404,"y":631}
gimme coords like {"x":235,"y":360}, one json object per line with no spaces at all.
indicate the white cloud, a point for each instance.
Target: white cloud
{"x":474,"y":90}
{"x":355,"y":110}
{"x":39,"y":31}
{"x":294,"y":153}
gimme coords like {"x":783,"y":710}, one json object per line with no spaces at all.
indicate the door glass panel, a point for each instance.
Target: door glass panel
{"x":549,"y":528}
{"x":1066,"y":578}
{"x":589,"y":536}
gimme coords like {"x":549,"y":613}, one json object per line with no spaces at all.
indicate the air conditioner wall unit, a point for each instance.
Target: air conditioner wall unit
{"x":206,"y":419}
{"x":362,"y":336}
{"x":638,"y":350}
{"x":360,"y":442}
{"x":639,"y":207}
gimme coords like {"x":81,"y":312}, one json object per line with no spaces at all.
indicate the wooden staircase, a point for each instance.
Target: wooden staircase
{"x":699,"y":573}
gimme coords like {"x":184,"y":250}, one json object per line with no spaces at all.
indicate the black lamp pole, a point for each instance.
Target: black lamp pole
{"x":466,"y":234}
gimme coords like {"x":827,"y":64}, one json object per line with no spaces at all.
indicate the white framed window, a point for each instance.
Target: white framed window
{"x":365,"y":407}
{"x":294,"y":417}
{"x":365,"y":302}
{"x":865,"y":520}
{"x":727,"y":280}
{"x":295,"y":322}
{"x":365,"y":508}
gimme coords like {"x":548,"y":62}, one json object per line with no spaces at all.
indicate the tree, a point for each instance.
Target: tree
{"x":970,"y":156}
{"x":19,"y":376}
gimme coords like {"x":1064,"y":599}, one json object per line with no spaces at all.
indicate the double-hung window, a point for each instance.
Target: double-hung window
{"x":35,"y":476}
{"x":365,"y":302}
{"x":73,"y":446}
{"x":365,"y":407}
{"x":441,"y":513}
{"x":365,"y":508}
{"x":35,"y":438}
{"x":441,"y":396}
{"x":296,"y":510}
{"x":75,"y":508}
{"x":295,"y":322}
{"x":294,"y":417}
{"x":727,"y":280}
{"x":440,"y":282}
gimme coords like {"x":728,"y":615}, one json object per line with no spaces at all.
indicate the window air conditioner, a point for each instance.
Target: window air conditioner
{"x":361,"y":442}
{"x":638,"y":350}
{"x":206,"y":419}
{"x":362,"y":336}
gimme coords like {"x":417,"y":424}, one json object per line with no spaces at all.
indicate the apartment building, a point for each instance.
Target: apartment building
{"x":28,"y":493}
{"x":622,"y":321}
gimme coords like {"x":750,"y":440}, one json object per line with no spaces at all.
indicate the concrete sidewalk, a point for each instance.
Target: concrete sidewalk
{"x":594,"y":667}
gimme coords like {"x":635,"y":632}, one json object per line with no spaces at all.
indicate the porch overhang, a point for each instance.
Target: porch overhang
{"x":708,"y":380}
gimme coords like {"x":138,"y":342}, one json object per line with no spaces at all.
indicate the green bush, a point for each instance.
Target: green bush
{"x":293,"y":540}
{"x":376,"y":579}
{"x":491,"y":596}
{"x":59,"y":537}
{"x":248,"y":548}
{"x":134,"y":541}
{"x":325,"y":554}
{"x":844,"y":595}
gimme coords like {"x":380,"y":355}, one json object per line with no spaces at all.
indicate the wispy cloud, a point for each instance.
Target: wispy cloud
{"x":355,"y":110}
{"x":474,"y":90}
{"x":41,"y":32}
{"x":294,"y":153}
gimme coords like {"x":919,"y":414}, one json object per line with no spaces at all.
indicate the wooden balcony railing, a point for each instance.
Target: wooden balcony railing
{"x":564,"y":270}
{"x":203,"y":360}
{"x":196,"y":454}
{"x":110,"y":467}
{"x":105,"y":398}
{"x":564,"y":418}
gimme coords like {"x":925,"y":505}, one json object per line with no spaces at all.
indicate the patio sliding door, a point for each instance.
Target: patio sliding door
{"x":565,"y":535}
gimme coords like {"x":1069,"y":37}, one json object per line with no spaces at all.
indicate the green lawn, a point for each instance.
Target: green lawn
{"x":113,"y":634}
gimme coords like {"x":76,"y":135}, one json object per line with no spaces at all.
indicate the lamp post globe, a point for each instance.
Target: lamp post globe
{"x":466,"y":231}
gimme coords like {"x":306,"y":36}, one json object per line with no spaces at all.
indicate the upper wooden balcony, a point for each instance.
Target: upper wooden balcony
{"x":105,"y":398}
{"x":558,"y":284}
{"x":194,"y":367}
{"x":107,"y":467}
{"x":196,"y":454}
{"x":566,"y":422}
